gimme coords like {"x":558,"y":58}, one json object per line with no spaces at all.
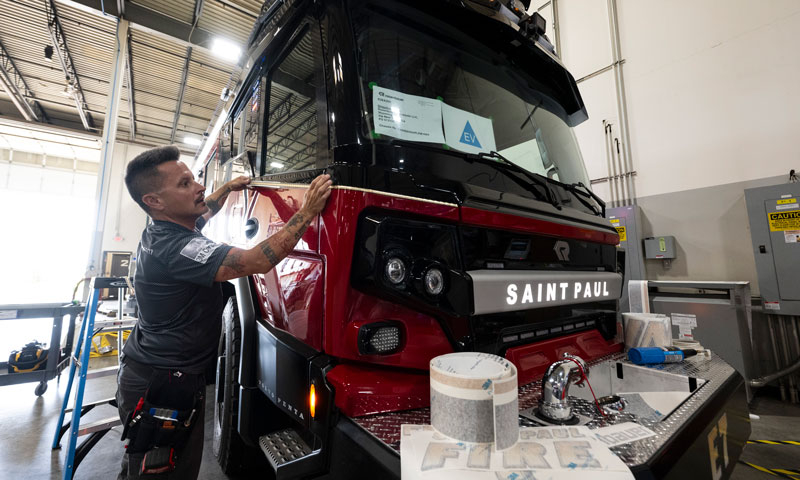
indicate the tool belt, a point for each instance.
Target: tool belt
{"x":163,"y":418}
{"x":32,"y":357}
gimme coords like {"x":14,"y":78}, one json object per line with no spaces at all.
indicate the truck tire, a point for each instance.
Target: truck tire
{"x":228,"y":446}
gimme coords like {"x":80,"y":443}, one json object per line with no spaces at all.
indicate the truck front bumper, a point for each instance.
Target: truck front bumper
{"x":702,"y":438}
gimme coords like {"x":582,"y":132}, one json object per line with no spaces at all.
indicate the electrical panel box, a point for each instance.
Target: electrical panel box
{"x":659,"y":248}
{"x":627,"y":221}
{"x":774,"y":214}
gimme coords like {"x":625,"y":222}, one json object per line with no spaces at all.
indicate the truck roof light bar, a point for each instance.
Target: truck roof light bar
{"x":514,"y":12}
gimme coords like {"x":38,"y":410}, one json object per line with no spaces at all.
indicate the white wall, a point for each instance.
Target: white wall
{"x":711,"y":87}
{"x":715,"y":101}
{"x":124,"y":220}
{"x":713,"y":95}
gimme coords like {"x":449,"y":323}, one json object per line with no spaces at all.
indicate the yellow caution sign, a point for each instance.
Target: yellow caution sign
{"x":782,"y":221}
{"x":620,"y":230}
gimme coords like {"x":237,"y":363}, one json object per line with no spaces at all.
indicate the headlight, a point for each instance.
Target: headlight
{"x":395,"y":270}
{"x":434,"y":281}
{"x":413,"y":262}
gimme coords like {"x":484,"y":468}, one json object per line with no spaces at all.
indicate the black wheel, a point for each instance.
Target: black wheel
{"x":40,"y":389}
{"x":228,"y":446}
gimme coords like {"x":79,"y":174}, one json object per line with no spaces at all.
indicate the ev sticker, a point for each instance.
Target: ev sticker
{"x":468,"y":136}
{"x":466,"y":132}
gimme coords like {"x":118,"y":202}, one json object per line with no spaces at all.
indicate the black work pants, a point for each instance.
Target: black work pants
{"x":133,"y":381}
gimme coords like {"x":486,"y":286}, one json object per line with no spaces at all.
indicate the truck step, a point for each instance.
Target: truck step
{"x":283,"y":446}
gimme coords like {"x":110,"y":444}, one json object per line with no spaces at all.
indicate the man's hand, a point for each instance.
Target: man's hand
{"x":215,"y":201}
{"x":317,"y":195}
{"x":238,"y":184}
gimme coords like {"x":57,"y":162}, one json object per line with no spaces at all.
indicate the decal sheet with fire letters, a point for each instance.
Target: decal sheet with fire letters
{"x":563,"y":453}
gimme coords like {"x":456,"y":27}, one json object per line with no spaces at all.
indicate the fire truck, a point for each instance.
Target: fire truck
{"x":460,"y":220}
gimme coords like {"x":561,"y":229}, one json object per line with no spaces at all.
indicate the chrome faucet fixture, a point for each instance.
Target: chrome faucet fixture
{"x":554,"y":405}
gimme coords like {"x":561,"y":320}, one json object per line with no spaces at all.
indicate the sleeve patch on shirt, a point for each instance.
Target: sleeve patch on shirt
{"x":199,"y":249}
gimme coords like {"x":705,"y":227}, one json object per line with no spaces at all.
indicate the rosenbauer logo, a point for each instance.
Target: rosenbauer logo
{"x":562,"y":250}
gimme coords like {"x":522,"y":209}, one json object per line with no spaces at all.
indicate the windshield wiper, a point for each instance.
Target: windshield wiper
{"x":537,"y":179}
{"x":586,"y":192}
{"x":530,"y":115}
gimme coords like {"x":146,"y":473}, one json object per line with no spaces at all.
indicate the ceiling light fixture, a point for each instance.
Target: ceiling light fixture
{"x":48,"y":53}
{"x":276,"y":165}
{"x":225,"y":49}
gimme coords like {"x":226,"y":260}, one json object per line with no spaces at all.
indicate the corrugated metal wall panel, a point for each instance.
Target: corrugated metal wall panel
{"x":207,"y":58}
{"x":62,"y":110}
{"x":155,"y":115}
{"x":147,"y":99}
{"x":157,"y":63}
{"x":146,"y":123}
{"x":159,"y":134}
{"x":72,"y":17}
{"x":95,"y":101}
{"x":182,"y":10}
{"x":159,"y":42}
{"x":226,"y":21}
{"x":191,"y":124}
{"x":22,"y":19}
{"x":164,"y":83}
{"x":40,"y":75}
{"x":198,"y":111}
{"x":206,"y":78}
{"x":200,"y":98}
{"x":249,"y":5}
{"x":7,"y":109}
{"x":148,"y":60}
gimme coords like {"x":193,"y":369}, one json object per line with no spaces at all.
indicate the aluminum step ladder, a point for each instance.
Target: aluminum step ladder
{"x":80,"y":362}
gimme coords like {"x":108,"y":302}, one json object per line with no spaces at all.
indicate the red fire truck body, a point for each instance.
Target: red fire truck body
{"x":424,"y":248}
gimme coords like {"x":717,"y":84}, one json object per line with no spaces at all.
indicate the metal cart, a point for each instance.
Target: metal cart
{"x":56,"y":359}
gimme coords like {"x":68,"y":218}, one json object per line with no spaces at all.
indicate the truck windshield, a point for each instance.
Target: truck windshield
{"x":418,"y":86}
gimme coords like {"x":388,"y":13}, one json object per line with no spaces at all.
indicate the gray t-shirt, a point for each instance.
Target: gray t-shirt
{"x":180,"y":305}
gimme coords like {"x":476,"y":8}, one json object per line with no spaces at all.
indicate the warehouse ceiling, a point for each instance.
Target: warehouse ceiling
{"x":176,"y":81}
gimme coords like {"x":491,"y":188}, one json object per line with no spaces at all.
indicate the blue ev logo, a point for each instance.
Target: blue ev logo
{"x":468,"y":136}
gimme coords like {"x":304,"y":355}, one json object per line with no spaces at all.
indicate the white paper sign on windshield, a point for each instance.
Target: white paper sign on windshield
{"x":407,"y":117}
{"x":467,"y":132}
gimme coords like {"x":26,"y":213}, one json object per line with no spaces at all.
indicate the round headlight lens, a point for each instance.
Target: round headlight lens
{"x":434,"y":281}
{"x":395,"y":270}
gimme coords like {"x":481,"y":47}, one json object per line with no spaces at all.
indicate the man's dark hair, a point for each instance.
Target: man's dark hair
{"x":141,"y":176}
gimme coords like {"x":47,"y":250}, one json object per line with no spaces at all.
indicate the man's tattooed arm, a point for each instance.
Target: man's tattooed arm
{"x":216,"y":200}
{"x":276,"y":247}
{"x":233,"y":260}
{"x":267,"y":254}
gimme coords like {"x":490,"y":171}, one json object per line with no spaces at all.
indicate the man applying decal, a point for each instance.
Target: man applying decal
{"x":180,"y":299}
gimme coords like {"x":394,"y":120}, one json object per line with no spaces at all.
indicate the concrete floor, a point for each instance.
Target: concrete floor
{"x":777,"y":421}
{"x":27,"y":425}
